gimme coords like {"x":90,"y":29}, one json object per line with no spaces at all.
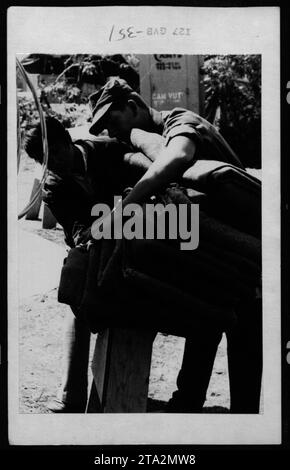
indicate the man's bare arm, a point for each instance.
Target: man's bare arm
{"x":169,"y":166}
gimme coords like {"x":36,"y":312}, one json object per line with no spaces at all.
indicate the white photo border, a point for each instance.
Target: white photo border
{"x":71,"y":30}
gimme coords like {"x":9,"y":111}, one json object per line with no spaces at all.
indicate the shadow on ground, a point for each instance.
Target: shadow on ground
{"x":159,"y":406}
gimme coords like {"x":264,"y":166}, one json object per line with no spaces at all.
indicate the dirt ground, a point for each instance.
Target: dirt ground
{"x":40,"y":355}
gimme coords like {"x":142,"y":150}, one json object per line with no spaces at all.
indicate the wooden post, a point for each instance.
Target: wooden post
{"x":171,"y":80}
{"x":201,"y":88}
{"x":121,"y":369}
{"x":48,"y":220}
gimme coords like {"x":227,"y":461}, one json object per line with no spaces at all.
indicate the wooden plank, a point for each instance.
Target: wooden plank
{"x":48,"y":220}
{"x":168,"y":81}
{"x":145,"y":83}
{"x":33,"y":213}
{"x":128,"y":380}
{"x":201,"y":88}
{"x":121,"y":369}
{"x":99,"y":363}
{"x":94,"y":404}
{"x":193,"y":85}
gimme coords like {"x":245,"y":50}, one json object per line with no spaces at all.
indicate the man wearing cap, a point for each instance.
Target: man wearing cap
{"x":119,"y":109}
{"x":186,"y":137}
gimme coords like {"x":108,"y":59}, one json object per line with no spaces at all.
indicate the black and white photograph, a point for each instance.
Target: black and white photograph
{"x":143,"y":226}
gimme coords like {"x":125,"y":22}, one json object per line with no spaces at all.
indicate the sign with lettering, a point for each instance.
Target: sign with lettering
{"x":168,"y":81}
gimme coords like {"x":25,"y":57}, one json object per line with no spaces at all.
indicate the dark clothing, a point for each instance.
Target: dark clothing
{"x":71,"y":198}
{"x":245,"y":350}
{"x":245,"y":363}
{"x":210,"y":145}
{"x":108,"y":169}
{"x":101,"y":174}
{"x":200,"y":352}
{"x":105,"y":174}
{"x":202,"y":344}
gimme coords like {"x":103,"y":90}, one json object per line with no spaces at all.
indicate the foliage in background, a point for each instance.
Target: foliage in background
{"x":80,"y":70}
{"x":63,"y":97}
{"x":61,"y":91}
{"x":28,"y":114}
{"x":69,"y":114}
{"x":233,"y":102}
{"x":232,"y":96}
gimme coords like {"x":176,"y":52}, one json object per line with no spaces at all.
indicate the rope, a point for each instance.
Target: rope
{"x":44,"y":140}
